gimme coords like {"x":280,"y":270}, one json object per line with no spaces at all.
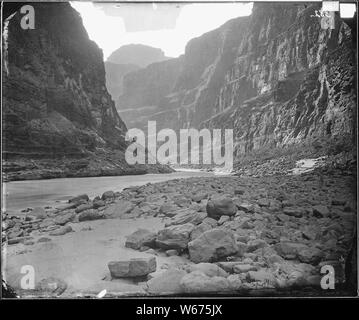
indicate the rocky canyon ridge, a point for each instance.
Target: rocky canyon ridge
{"x":58,"y":118}
{"x":276,"y":78}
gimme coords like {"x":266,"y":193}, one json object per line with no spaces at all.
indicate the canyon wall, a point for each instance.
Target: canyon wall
{"x":276,"y":78}
{"x":58,"y":117}
{"x":126,"y":59}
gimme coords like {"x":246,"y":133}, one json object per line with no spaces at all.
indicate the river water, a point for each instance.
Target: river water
{"x":18,"y":195}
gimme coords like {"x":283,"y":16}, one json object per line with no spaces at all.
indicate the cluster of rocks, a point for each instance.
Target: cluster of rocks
{"x":245,"y":233}
{"x":133,"y":268}
{"x":229,"y":233}
{"x":260,"y":164}
{"x":55,"y":221}
{"x":269,"y":167}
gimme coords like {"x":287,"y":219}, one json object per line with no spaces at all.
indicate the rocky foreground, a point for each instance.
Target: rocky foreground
{"x":231,"y":235}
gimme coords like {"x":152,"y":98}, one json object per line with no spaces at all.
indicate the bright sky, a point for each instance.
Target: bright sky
{"x":109,"y":32}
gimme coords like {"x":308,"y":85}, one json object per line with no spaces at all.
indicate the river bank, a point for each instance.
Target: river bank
{"x":234,"y":235}
{"x":20,"y":195}
{"x":101,"y":164}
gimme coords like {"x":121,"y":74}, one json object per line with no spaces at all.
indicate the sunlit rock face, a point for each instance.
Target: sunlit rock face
{"x":137,"y":54}
{"x":276,"y":78}
{"x":59,"y":119}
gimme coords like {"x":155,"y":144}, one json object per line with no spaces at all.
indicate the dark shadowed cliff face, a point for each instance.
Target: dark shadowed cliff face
{"x":275,"y":78}
{"x":59,"y":119}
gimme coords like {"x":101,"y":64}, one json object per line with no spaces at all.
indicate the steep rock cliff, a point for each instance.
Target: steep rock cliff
{"x":276,"y":78}
{"x":58,"y":118}
{"x":184,"y":87}
{"x":301,"y":77}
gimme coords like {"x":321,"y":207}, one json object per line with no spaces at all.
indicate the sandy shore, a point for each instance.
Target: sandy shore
{"x":19,"y":195}
{"x":80,"y":258}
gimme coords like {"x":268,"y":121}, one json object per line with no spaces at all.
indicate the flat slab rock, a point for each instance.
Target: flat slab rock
{"x":137,"y":267}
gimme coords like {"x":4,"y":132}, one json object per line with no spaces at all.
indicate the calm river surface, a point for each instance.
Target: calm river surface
{"x":18,"y":195}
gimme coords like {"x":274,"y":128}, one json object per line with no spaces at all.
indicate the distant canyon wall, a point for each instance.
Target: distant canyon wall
{"x":276,"y":78}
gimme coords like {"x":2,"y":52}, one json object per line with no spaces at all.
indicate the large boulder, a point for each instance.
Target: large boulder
{"x":198,"y":230}
{"x":108,"y":195}
{"x":244,"y":268}
{"x":310,"y":255}
{"x":223,"y":219}
{"x":66,"y":206}
{"x":294,"y":250}
{"x":181,"y":201}
{"x":198,"y":197}
{"x":212,"y":245}
{"x":297,"y":212}
{"x":168,"y":282}
{"x":61,"y":231}
{"x":137,"y":267}
{"x":46,"y":223}
{"x":246,"y":207}
{"x":239,"y":191}
{"x":83,"y":207}
{"x":174,"y":237}
{"x":320,"y":211}
{"x":81,"y":197}
{"x":65,"y":218}
{"x":198,"y":282}
{"x":288,"y":250}
{"x":218,"y":207}
{"x":227,"y":266}
{"x":168,"y":209}
{"x":255,"y":244}
{"x":98,"y":203}
{"x":90,"y":215}
{"x":119,"y":209}
{"x":212,"y":222}
{"x":39,"y":213}
{"x":187,"y":216}
{"x":139,"y":238}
